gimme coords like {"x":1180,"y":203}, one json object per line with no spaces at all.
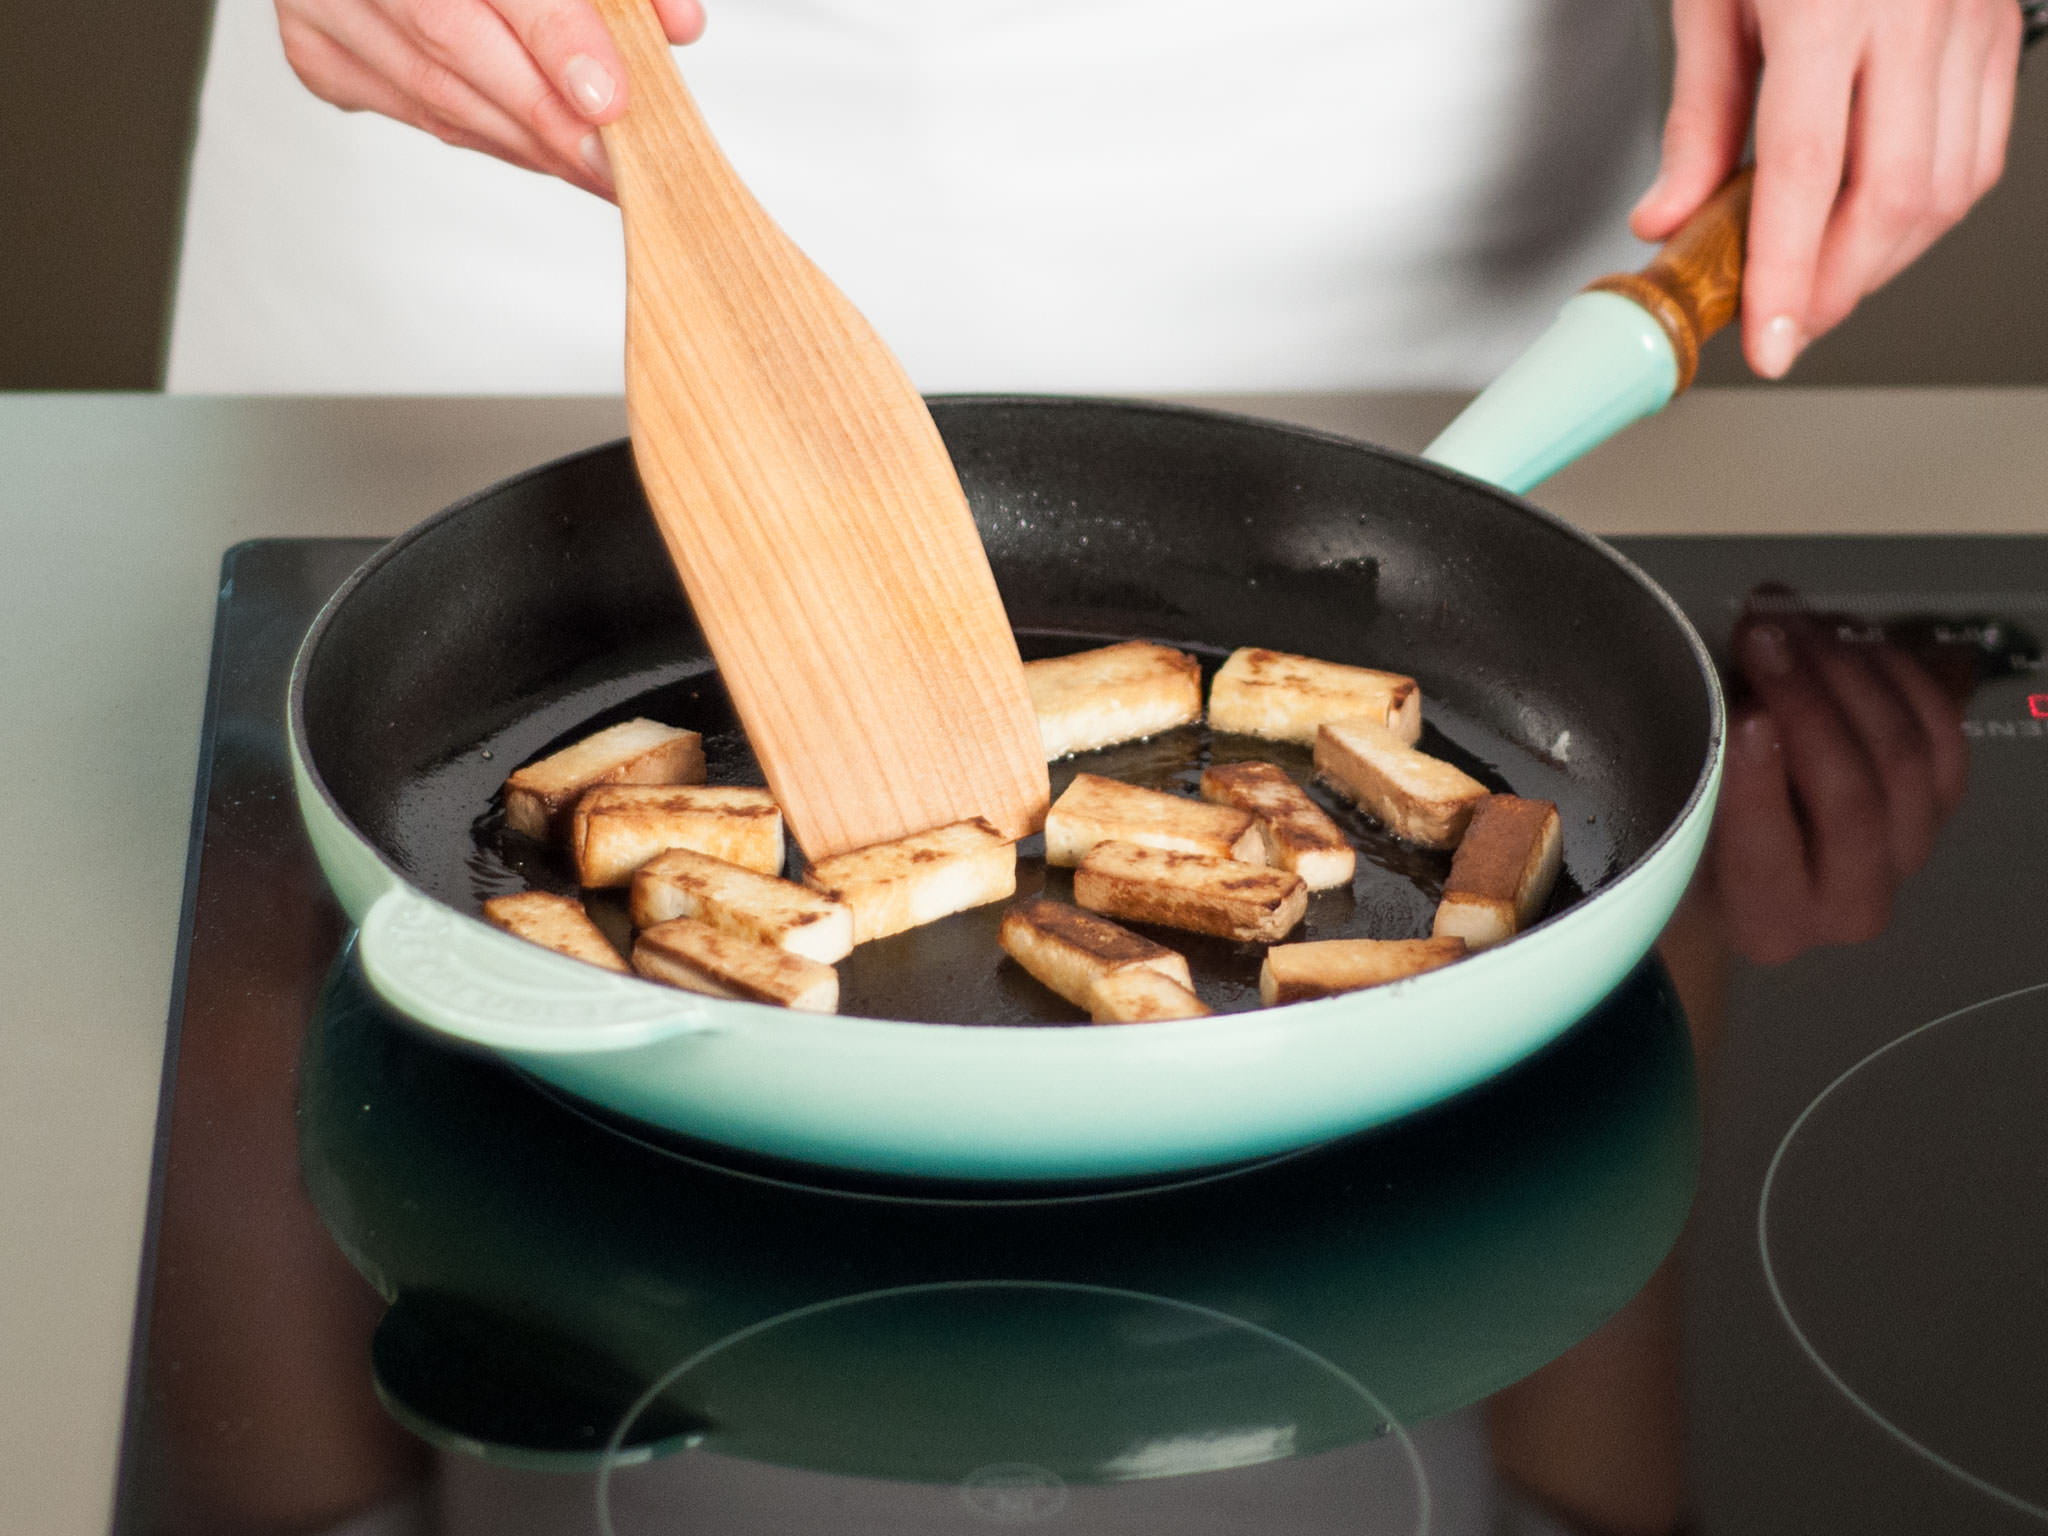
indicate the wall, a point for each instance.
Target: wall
{"x":96,"y":108}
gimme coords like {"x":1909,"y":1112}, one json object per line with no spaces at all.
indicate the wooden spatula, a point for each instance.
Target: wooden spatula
{"x":808,"y":502}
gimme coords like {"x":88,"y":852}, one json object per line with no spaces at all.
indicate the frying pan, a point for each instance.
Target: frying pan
{"x":526,"y":615}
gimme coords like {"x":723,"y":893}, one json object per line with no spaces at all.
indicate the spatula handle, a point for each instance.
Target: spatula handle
{"x":1694,"y":286}
{"x":669,"y":126}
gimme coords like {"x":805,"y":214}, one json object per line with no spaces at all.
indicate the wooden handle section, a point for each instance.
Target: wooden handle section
{"x":661,"y":130}
{"x":1694,"y":286}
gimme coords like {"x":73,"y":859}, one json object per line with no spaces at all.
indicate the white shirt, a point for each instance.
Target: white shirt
{"x":1097,"y":196}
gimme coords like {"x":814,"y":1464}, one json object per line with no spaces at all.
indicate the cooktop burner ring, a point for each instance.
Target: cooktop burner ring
{"x":618,"y":1455}
{"x":1780,"y":1301}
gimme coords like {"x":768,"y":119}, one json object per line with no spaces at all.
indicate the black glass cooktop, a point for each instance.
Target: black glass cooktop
{"x":395,"y":1288}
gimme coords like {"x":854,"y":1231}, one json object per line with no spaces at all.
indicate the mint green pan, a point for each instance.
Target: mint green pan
{"x":542,"y":607}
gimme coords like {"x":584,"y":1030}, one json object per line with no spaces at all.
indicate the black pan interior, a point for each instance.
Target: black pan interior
{"x":546,"y":607}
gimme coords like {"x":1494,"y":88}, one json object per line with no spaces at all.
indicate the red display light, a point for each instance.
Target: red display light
{"x":2037,"y":705}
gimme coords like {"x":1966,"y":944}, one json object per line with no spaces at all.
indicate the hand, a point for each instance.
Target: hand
{"x":1878,"y":124}
{"x":1840,"y":772}
{"x":526,"y":80}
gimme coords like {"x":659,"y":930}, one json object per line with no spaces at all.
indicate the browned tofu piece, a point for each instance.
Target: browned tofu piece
{"x":619,"y":827}
{"x":743,"y":902}
{"x":1284,"y":698}
{"x":1094,"y":810}
{"x":1071,"y":950}
{"x":919,"y":879}
{"x":1296,"y":833}
{"x":1419,"y":797}
{"x":1195,"y":891}
{"x":1503,"y":872}
{"x":700,"y":958}
{"x":1118,"y":693}
{"x":1294,"y":973}
{"x":553,"y":922}
{"x":540,"y":797}
{"x":1137,"y":995}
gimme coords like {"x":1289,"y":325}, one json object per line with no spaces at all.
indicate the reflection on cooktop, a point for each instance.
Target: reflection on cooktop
{"x":536,"y":1260}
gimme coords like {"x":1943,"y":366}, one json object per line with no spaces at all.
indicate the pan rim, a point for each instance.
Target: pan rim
{"x":1704,"y":785}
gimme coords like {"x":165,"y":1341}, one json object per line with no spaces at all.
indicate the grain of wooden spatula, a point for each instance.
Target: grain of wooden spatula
{"x":811,"y":509}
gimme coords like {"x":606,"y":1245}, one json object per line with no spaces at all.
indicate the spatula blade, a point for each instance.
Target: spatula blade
{"x":808,"y":502}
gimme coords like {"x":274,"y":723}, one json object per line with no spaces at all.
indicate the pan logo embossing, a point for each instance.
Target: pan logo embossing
{"x":457,"y":974}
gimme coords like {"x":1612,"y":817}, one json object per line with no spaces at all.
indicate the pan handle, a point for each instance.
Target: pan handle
{"x":1617,"y":352}
{"x":466,"y":979}
{"x":1694,"y":285}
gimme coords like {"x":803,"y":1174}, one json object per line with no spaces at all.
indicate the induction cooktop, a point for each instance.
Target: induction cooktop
{"x":1758,"y":1246}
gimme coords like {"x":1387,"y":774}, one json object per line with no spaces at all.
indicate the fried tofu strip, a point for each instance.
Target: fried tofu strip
{"x":920,"y":878}
{"x":1195,"y":891}
{"x":540,"y":797}
{"x":742,"y":902}
{"x":1284,"y":698}
{"x":619,"y":827}
{"x":1137,"y":995}
{"x":1419,"y":797}
{"x":700,"y":958}
{"x":1097,"y":810}
{"x":1503,"y":872}
{"x":1295,"y":832}
{"x":1118,"y":693}
{"x":553,"y":922}
{"x":1071,"y":950}
{"x":1294,"y":973}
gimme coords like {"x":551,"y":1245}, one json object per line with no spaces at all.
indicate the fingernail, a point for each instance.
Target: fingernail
{"x":1755,"y":738}
{"x":1766,"y":650}
{"x":1656,"y":191}
{"x":1780,"y":347}
{"x":600,"y":163}
{"x":589,"y":83}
